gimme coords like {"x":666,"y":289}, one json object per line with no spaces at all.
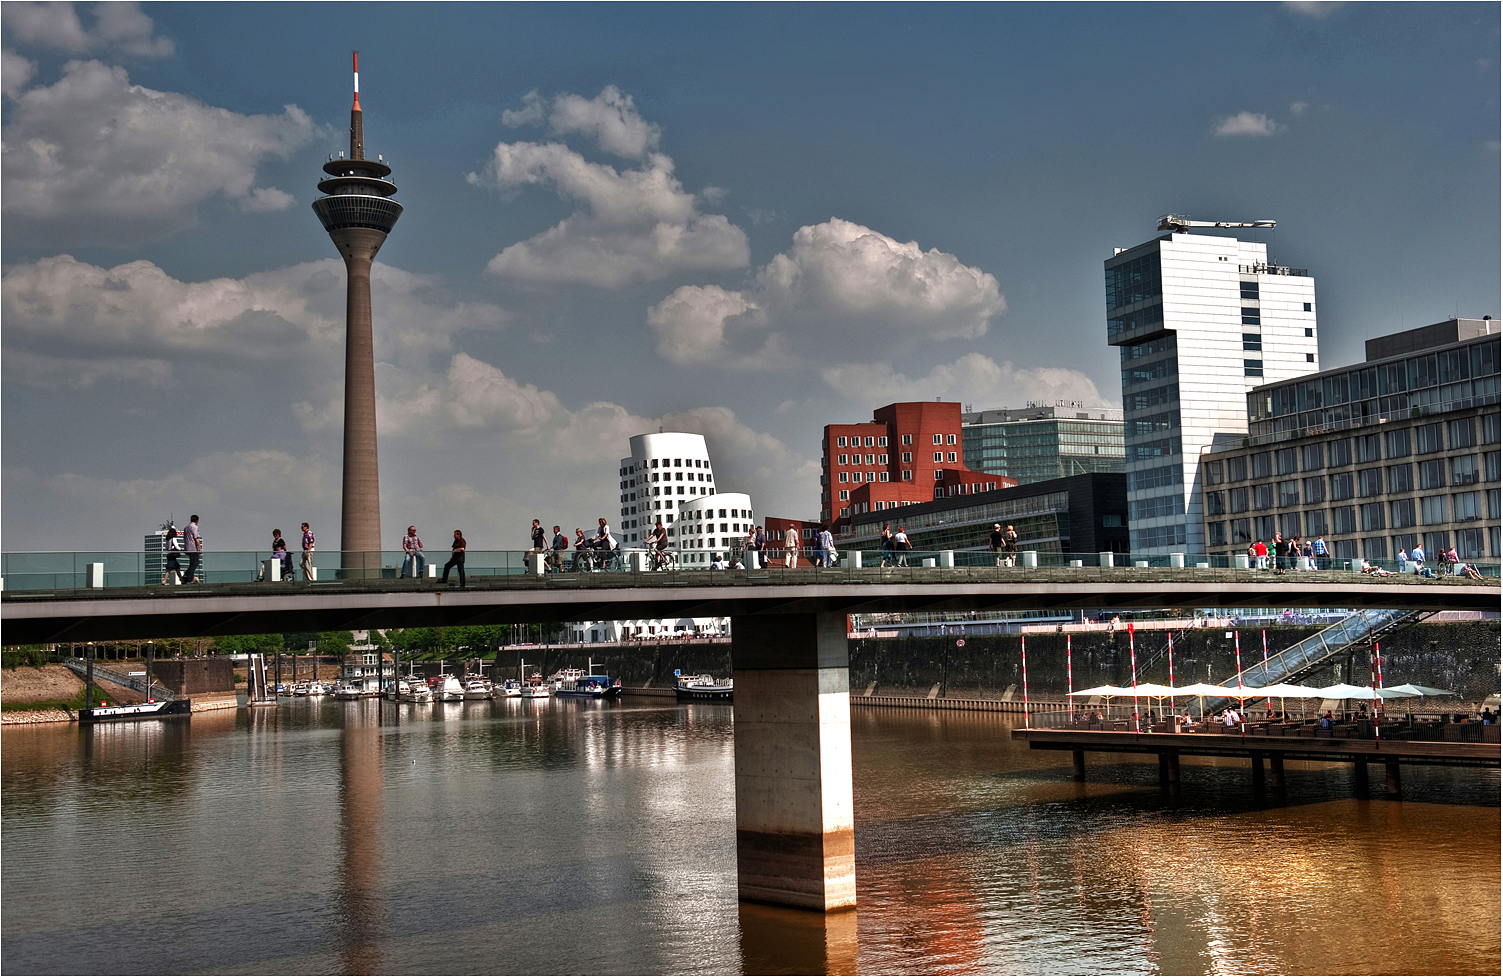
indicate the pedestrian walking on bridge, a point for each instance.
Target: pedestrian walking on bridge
{"x":308,"y":543}
{"x":456,"y":558}
{"x":193,"y":543}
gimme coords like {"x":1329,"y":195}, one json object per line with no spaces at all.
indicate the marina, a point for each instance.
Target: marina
{"x":974,"y":854}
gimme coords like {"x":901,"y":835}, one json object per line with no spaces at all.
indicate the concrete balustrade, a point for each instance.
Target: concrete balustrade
{"x":795,"y":825}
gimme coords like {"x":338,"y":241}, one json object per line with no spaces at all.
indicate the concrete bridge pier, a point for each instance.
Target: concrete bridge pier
{"x":1276,"y":771}
{"x":795,"y":841}
{"x":1361,"y":772}
{"x":1077,"y":764}
{"x":1393,"y":784}
{"x":1258,"y":784}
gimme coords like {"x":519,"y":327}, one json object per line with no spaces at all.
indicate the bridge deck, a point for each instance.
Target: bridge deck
{"x":1443,"y":753}
{"x":144,"y":612}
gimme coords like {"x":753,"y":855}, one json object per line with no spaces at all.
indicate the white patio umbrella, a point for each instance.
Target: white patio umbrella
{"x":1203,"y":690}
{"x":1414,"y":690}
{"x":1102,"y":691}
{"x":1283,"y":691}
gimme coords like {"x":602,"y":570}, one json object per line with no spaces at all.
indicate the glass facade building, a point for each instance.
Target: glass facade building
{"x":1198,"y":320}
{"x":1402,"y":449}
{"x":1034,"y":444}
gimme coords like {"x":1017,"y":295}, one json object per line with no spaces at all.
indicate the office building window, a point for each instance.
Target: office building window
{"x":1313,"y":457}
{"x":881,"y":460}
{"x":1366,"y":449}
{"x":1340,"y":451}
{"x":1490,"y":466}
{"x":841,"y":459}
{"x":1252,"y":368}
{"x":882,"y":476}
{"x":1372,"y":516}
{"x":1163,"y":475}
{"x":1263,"y":527}
{"x":1466,"y":507}
{"x":1262,"y":465}
{"x":1401,"y":513}
{"x":949,"y":457}
{"x":1432,"y":510}
{"x":1344,"y":549}
{"x":939,"y":476}
{"x":1464,"y":471}
{"x":1236,"y":469}
{"x":1490,"y":429}
{"x":1215,"y":504}
{"x":1341,"y":486}
{"x":1241,"y":532}
{"x":1344,"y":519}
{"x":1215,"y":473}
{"x":939,"y":456}
{"x":1469,"y":544}
{"x":939,"y":439}
{"x":840,"y":441}
{"x":1239,"y":499}
{"x":870,"y":441}
{"x":1285,"y":461}
{"x":881,"y":441}
{"x":1398,"y":443}
{"x":1289,"y":525}
{"x":1249,"y":290}
{"x":1216,"y":534}
{"x":1493,"y":504}
{"x":1463,"y":433}
{"x":1427,"y":439}
{"x":1288,"y":493}
{"x":1401,"y":478}
{"x":845,"y":495}
{"x":1315,"y":489}
{"x":1375,"y":548}
{"x":1436,"y":542}
{"x":1262,"y":496}
{"x":907,"y":475}
{"x":907,"y":457}
{"x":949,"y":439}
{"x":844,"y":477}
{"x":1252,"y":342}
{"x":1432,"y":473}
{"x":1315,"y":522}
{"x":1251,"y":316}
{"x":1404,"y":541}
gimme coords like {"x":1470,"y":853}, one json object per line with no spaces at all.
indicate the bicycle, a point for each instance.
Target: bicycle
{"x":662,"y":560}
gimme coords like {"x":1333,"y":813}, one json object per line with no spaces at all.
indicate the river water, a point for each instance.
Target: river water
{"x":583,"y":838}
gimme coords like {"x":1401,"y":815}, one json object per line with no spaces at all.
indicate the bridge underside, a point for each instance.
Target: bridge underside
{"x":123,"y":614}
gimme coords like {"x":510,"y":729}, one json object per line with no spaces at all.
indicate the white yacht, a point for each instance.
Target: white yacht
{"x":536,"y":691}
{"x":449,"y":690}
{"x":477,"y":689}
{"x":348,"y":691}
{"x":509,"y":688}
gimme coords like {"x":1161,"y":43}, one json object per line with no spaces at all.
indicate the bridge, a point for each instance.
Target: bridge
{"x":795,"y":840}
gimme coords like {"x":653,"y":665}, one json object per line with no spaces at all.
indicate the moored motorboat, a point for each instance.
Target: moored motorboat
{"x":151,"y":710}
{"x":448,"y":690}
{"x":703,"y":688}
{"x":477,"y":689}
{"x":595,"y":687}
{"x":536,"y":691}
{"x":348,"y":691}
{"x":509,"y":688}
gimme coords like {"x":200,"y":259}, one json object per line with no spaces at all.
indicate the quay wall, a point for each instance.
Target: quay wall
{"x":1458,"y":655}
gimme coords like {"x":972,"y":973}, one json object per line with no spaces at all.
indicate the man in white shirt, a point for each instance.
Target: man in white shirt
{"x":193,"y":542}
{"x":790,"y":548}
{"x":901,"y":545}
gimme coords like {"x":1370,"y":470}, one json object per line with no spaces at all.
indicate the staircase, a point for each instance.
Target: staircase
{"x":1323,"y":648}
{"x":138,"y":683}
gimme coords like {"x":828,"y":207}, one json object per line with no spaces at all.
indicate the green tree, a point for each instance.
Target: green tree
{"x":334,"y":643}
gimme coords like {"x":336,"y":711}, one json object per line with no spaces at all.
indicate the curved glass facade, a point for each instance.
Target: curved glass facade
{"x":357,"y":211}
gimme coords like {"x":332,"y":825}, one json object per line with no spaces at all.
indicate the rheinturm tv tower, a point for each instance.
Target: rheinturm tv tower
{"x":358,"y":213}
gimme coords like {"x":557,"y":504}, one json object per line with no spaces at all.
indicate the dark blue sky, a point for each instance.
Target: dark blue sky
{"x":1019,"y":142}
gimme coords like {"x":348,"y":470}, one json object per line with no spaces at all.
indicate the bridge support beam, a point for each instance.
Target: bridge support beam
{"x":1258,"y":785}
{"x":1394,"y":785}
{"x":1077,"y":764}
{"x":1276,"y":771}
{"x":1361,"y":782}
{"x":795,"y":829}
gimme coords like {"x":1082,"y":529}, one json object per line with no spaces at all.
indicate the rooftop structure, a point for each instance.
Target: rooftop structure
{"x":358,"y":213}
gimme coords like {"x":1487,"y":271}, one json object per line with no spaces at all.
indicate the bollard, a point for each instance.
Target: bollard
{"x":1140,"y":563}
{"x":94,"y":575}
{"x":852,"y":558}
{"x":1203,"y":566}
{"x":1077,"y":563}
{"x":432,"y":571}
{"x":928,"y":561}
{"x":947,"y":558}
{"x":1177,"y":561}
{"x":271,"y":570}
{"x":1239,"y":561}
{"x":1104,"y":559}
{"x":1029,"y":558}
{"x":754,"y":560}
{"x":538,"y":567}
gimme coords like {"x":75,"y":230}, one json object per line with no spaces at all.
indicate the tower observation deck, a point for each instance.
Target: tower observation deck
{"x":358,"y":211}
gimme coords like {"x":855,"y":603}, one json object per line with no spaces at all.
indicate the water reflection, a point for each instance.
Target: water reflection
{"x":321,"y":836}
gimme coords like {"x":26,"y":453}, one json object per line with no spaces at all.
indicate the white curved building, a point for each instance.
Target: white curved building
{"x":712,"y":524}
{"x":664,"y":471}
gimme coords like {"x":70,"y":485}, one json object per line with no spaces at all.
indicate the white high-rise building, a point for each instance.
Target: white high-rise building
{"x":1200,"y":320}
{"x":665,"y":472}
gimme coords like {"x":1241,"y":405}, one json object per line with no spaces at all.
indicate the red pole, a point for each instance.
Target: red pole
{"x":1069,"y":679}
{"x":1265,"y":667}
{"x":1027,"y":716}
{"x":1171,"y":674}
{"x":1241,"y":700}
{"x":1132,"y":652}
{"x":1376,"y":665}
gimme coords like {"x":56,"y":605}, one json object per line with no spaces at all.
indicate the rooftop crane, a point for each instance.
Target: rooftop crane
{"x":1171,"y":222}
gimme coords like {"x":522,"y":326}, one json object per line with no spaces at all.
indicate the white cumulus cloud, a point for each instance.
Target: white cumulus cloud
{"x":838,"y":280}
{"x":973,"y":377}
{"x":119,"y":28}
{"x":70,"y":321}
{"x":630,"y":225}
{"x":94,"y":159}
{"x":1246,"y":124}
{"x":15,"y":72}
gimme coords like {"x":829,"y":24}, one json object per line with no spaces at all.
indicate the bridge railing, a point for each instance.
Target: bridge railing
{"x":90,"y":571}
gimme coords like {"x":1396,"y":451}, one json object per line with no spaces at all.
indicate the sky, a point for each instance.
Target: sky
{"x":744,"y":221}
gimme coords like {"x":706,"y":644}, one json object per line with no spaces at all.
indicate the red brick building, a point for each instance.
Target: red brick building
{"x":908,"y":453}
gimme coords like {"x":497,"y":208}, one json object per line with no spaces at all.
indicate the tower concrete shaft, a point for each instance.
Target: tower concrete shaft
{"x":358,"y":213}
